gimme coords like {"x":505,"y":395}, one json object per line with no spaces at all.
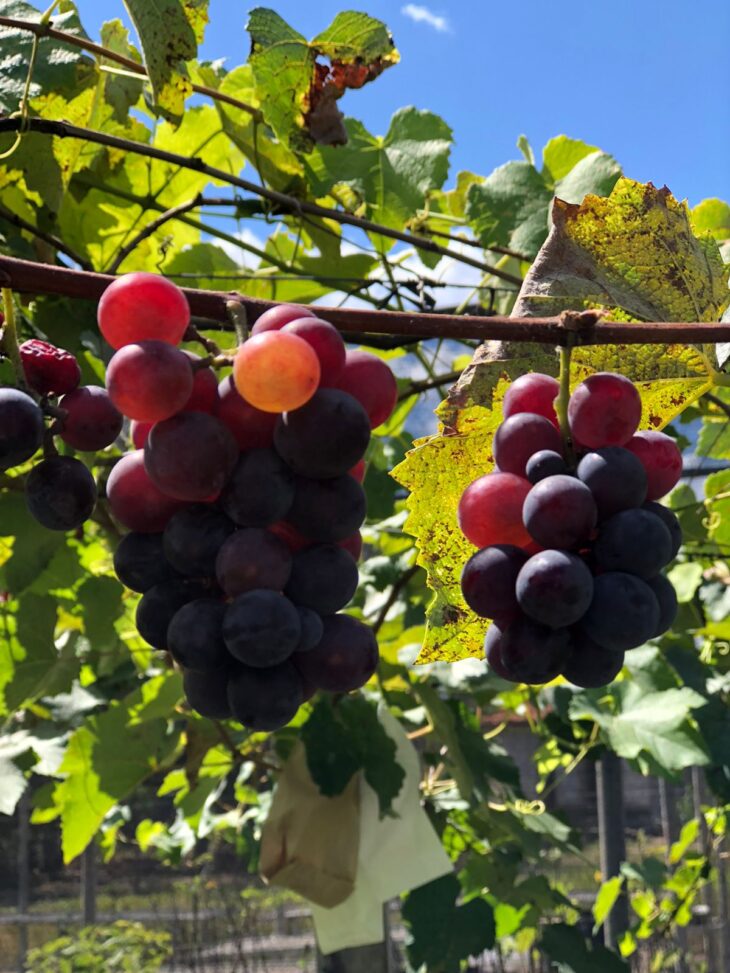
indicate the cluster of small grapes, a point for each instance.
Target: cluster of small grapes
{"x":571,"y":552}
{"x":60,"y":490}
{"x":243,"y":501}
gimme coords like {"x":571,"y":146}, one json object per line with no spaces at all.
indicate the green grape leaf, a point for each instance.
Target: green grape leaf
{"x":59,"y":67}
{"x":298,"y":93}
{"x":712,"y":216}
{"x":341,"y":740}
{"x":169,"y":32}
{"x":444,"y":933}
{"x":390,"y":176}
{"x":572,"y":953}
{"x":122,"y":91}
{"x":636,"y":246}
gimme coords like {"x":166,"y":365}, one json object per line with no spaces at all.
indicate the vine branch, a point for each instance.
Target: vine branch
{"x":28,"y":277}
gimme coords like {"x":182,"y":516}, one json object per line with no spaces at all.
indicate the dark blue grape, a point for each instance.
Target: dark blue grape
{"x":265,"y":699}
{"x":325,"y":437}
{"x":193,"y":537}
{"x":554,"y":588}
{"x":60,"y":493}
{"x":560,"y":512}
{"x":21,"y":428}
{"x":666,"y":597}
{"x":623,"y":614}
{"x":207,"y":693}
{"x":519,"y":437}
{"x":488,"y":580}
{"x":261,"y":628}
{"x":616,"y":478}
{"x":195,"y":635}
{"x":669,"y":519}
{"x":260,"y":490}
{"x":159,"y":604}
{"x":590,"y":666}
{"x":312,"y":629}
{"x":328,"y":510}
{"x":323,"y":577}
{"x":140,"y":563}
{"x":544,"y":463}
{"x":532,"y":653}
{"x":635,"y":541}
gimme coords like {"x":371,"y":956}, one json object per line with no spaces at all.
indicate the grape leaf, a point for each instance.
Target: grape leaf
{"x":298,"y":93}
{"x":169,"y":32}
{"x":571,"y":953}
{"x":633,"y":250}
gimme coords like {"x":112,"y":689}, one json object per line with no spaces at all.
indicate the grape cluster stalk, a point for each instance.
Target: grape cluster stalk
{"x":572,"y":539}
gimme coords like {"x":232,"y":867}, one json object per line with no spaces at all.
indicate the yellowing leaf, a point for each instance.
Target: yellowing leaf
{"x":633,"y":252}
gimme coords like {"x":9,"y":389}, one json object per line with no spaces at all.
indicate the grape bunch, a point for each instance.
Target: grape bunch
{"x":243,"y":500}
{"x":572,"y":540}
{"x":60,"y":490}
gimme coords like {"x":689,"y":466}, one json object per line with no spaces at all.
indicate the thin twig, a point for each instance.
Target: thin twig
{"x":149,"y":229}
{"x":60,"y":129}
{"x":53,"y":241}
{"x":393,"y":597}
{"x":415,"y":388}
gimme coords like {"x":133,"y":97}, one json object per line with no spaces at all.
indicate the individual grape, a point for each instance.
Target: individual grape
{"x":371,"y":382}
{"x":666,"y":598}
{"x":252,"y":428}
{"x":635,"y":541}
{"x":490,"y":510}
{"x":140,"y":563}
{"x":21,"y":428}
{"x":204,"y":396}
{"x":192,"y":538}
{"x":149,"y":380}
{"x":260,"y":490}
{"x":670,"y":521}
{"x":60,"y":493}
{"x":293,"y":538}
{"x":195,"y":635}
{"x":261,"y":628}
{"x":253,"y":558}
{"x":532,"y":653}
{"x":134,"y":500}
{"x":138,"y":432}
{"x":265,"y":699}
{"x":49,"y":370}
{"x":604,"y":410}
{"x":488,"y":580}
{"x":92,"y":421}
{"x":324,"y":577}
{"x":352,"y":544}
{"x":544,"y":463}
{"x":623,"y":614}
{"x":345,"y":658}
{"x":560,"y":512}
{"x":358,"y":470}
{"x":493,"y":651}
{"x":519,"y":437}
{"x":190,"y":456}
{"x":589,"y":666}
{"x":278,"y":316}
{"x":159,"y":604}
{"x":207,"y":692}
{"x":276,"y":372}
{"x":533,"y":392}
{"x":554,"y":588}
{"x":327,"y":510}
{"x":616,"y":479}
{"x":660,"y":457}
{"x":326,"y":343}
{"x":142,"y":307}
{"x":312,"y":629}
{"x":326,"y":437}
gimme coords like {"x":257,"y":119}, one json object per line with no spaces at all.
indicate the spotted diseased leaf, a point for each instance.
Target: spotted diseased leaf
{"x":298,"y":92}
{"x":633,"y":252}
{"x":169,"y":32}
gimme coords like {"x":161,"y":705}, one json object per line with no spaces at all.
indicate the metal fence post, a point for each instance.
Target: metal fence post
{"x":611,"y":838}
{"x":88,"y":885}
{"x":23,"y":876}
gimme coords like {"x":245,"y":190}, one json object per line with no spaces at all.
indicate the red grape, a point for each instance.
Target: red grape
{"x":326,"y":343}
{"x":49,"y":370}
{"x":372,"y":383}
{"x":533,"y":392}
{"x":276,"y":372}
{"x":352,"y":544}
{"x":93,"y":421}
{"x":142,"y":307}
{"x":204,"y":397}
{"x":604,"y":410}
{"x":149,"y":381}
{"x":252,"y":428}
{"x":293,"y":538}
{"x":190,"y":456}
{"x":134,"y":499}
{"x":277,"y":317}
{"x":358,"y":471}
{"x":345,"y":658}
{"x":660,"y":457}
{"x":519,"y":437}
{"x":490,"y":510}
{"x":139,"y":431}
{"x":488,"y":580}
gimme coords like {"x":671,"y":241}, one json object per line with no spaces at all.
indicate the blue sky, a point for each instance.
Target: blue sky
{"x":646,"y":81}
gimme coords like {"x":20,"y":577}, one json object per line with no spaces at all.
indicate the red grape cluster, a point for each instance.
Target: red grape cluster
{"x":243,"y":500}
{"x":571,"y":553}
{"x":60,"y":490}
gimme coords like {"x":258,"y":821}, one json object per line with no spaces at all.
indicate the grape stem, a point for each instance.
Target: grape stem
{"x":9,"y":339}
{"x":561,"y":405}
{"x":239,"y":319}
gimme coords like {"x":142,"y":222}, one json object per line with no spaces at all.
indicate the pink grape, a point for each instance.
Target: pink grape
{"x":278,"y":317}
{"x":490,"y":510}
{"x":519,"y":437}
{"x":326,"y":343}
{"x":604,"y":410}
{"x":134,"y":500}
{"x":142,"y":307}
{"x":93,"y":421}
{"x":371,"y":382}
{"x":660,"y":457}
{"x":149,"y":380}
{"x":252,"y":428}
{"x":533,"y":392}
{"x":190,"y":456}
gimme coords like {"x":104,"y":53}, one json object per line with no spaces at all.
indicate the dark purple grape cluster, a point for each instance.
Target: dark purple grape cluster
{"x":244,"y":518}
{"x":60,"y":490}
{"x":571,"y":550}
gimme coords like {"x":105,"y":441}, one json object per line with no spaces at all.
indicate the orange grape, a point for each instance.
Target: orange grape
{"x":276,"y":372}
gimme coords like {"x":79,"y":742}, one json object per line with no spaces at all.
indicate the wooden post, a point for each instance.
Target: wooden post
{"x":712,"y":952}
{"x":670,"y":833}
{"x":23,"y":876}
{"x":88,"y":885}
{"x":611,"y":838}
